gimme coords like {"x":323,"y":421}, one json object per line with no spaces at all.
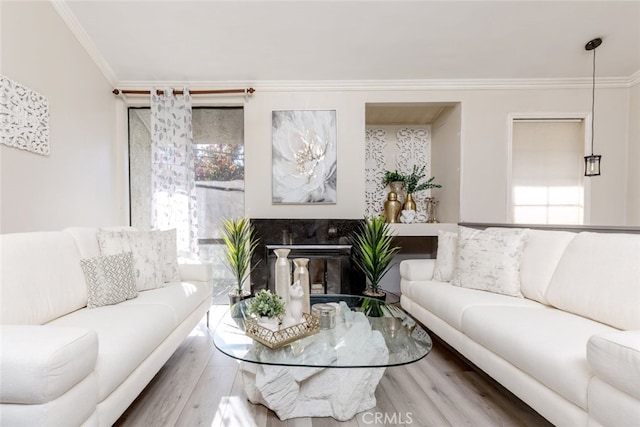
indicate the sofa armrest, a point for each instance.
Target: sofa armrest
{"x":417,"y":269}
{"x":615,"y":359}
{"x":197,"y":272}
{"x":39,"y":363}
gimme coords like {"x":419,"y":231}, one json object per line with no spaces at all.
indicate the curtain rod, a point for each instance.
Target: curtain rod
{"x":180,"y":92}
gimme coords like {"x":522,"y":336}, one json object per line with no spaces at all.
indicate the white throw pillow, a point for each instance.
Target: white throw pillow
{"x":446,"y":256}
{"x":109,"y":279}
{"x":147,"y":260}
{"x":489,"y":260}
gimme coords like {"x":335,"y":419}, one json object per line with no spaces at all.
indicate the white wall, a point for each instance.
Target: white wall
{"x":77,"y":184}
{"x":633,"y":180}
{"x":445,"y":151}
{"x":484,"y":134}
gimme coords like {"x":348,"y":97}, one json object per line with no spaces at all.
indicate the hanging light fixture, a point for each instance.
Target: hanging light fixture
{"x":592,"y":162}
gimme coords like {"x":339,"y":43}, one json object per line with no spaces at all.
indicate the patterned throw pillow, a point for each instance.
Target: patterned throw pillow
{"x":446,"y":256}
{"x":109,"y":279}
{"x":155,"y":259}
{"x":489,"y":259}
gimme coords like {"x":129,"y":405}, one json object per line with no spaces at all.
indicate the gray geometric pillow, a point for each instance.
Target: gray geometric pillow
{"x":110,"y":279}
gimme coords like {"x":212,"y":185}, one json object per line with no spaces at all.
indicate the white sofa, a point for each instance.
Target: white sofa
{"x":62,"y":364}
{"x":570,"y":348}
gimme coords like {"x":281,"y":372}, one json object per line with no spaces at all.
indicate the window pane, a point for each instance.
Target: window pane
{"x":530,"y":214}
{"x":546,"y":175}
{"x":527,"y":195}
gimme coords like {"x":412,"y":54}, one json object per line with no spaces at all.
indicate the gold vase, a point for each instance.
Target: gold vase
{"x":392,"y":208}
{"x":409,"y":203}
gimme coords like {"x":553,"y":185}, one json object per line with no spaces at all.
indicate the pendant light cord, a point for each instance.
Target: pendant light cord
{"x":593,"y":99}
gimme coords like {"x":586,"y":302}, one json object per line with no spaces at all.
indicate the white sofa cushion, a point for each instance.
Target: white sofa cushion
{"x":449,"y":302}
{"x":127,"y":334}
{"x":548,"y":344}
{"x":40,"y":277}
{"x":615,"y":358}
{"x":446,"y":256}
{"x":47,"y":364}
{"x":540,"y":257}
{"x":490,"y":259}
{"x":181,"y":297}
{"x":109,"y":279}
{"x":598,"y":277}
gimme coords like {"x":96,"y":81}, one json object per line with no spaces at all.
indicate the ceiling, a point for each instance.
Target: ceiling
{"x":254,"y":41}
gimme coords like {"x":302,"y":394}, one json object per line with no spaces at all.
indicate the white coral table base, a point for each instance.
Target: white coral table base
{"x":293,"y":392}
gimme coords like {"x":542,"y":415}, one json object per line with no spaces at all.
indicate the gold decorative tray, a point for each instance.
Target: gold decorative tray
{"x":276,"y":339}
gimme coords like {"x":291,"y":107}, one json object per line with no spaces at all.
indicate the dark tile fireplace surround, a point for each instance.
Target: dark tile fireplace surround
{"x":324,"y":241}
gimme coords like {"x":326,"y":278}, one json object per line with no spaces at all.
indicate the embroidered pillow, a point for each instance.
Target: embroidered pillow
{"x":489,"y":260}
{"x":109,"y":279}
{"x":446,"y":256}
{"x":147,"y":262}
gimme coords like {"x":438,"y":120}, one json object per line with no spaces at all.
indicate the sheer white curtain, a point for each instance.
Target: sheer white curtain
{"x":173,"y":189}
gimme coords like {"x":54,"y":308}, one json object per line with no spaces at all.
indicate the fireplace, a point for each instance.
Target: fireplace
{"x":324,"y":241}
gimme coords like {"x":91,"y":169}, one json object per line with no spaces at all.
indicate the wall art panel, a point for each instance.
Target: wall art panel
{"x":304,"y":157}
{"x":24,"y":117}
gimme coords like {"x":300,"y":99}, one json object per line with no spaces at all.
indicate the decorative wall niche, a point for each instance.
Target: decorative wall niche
{"x":24,"y":117}
{"x":394,"y":148}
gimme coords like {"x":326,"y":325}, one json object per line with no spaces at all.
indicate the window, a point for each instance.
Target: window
{"x":547,"y":182}
{"x":218,"y":143}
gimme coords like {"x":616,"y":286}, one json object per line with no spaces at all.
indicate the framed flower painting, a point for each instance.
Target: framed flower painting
{"x":304,"y":157}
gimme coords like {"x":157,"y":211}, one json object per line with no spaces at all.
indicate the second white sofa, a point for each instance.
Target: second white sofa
{"x":569,"y":345}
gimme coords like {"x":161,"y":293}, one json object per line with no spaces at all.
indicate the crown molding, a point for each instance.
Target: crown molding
{"x":81,"y":35}
{"x":387,"y":85}
{"x":634,"y":79}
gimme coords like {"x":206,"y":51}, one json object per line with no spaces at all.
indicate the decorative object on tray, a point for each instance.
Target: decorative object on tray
{"x":301,"y":274}
{"x":326,"y":313}
{"x":279,"y":338}
{"x":373,"y":251}
{"x":282,"y":273}
{"x":268,"y":308}
{"x":392,"y":208}
{"x":240,"y":244}
{"x":293,"y":313}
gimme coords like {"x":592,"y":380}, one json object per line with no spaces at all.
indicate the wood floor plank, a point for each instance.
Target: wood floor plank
{"x":199,"y":386}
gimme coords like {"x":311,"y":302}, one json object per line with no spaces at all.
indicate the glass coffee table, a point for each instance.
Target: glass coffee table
{"x":333,"y":372}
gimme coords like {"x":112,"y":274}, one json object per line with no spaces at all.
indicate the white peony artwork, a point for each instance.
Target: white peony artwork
{"x":304,"y":157}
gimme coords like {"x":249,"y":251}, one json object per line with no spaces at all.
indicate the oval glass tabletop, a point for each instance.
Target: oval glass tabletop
{"x":387,"y":336}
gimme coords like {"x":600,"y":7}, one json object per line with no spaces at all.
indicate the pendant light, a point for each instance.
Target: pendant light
{"x":592,"y":162}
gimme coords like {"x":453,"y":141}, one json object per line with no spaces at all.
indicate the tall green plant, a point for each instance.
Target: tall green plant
{"x":240,"y":241}
{"x":373,"y":249}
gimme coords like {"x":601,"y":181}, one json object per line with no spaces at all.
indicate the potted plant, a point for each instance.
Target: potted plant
{"x":412,"y":184}
{"x":240,"y":242}
{"x":373,"y":251}
{"x":268,"y":308}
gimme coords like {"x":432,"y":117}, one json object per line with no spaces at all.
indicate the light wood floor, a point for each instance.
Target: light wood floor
{"x":199,"y":386}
